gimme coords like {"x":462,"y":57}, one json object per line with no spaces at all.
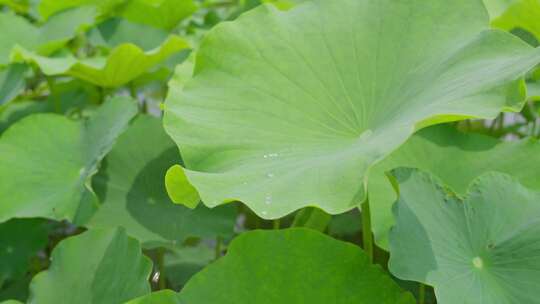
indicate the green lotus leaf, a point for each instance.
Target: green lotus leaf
{"x":48,"y":8}
{"x":11,"y":302}
{"x":53,"y":158}
{"x":98,"y":266}
{"x":164,"y":14}
{"x":182,"y":263}
{"x":46,"y":38}
{"x":295,"y":265}
{"x":12,"y":82}
{"x":125,"y":63}
{"x":522,"y":14}
{"x":454,"y":157}
{"x":131,"y":187}
{"x":116,"y":31}
{"x":20,"y":240}
{"x":158,"y":297}
{"x":481,"y":249}
{"x":12,"y":112}
{"x":289,"y":109}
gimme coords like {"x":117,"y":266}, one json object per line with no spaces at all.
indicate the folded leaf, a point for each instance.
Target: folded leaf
{"x":481,"y":249}
{"x":98,"y":266}
{"x":12,"y":82}
{"x":53,"y":159}
{"x":292,"y":266}
{"x":48,"y":8}
{"x":289,"y":109}
{"x":125,"y":63}
{"x":454,"y":157}
{"x":132,"y":189}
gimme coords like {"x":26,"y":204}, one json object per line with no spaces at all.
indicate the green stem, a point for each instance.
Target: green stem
{"x":276,"y":224}
{"x":421,"y":294}
{"x":366,"y":230}
{"x":162,"y":282}
{"x":219,"y":242}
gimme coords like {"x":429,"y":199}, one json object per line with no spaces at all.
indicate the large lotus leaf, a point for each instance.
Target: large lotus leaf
{"x":454,"y":157}
{"x":12,"y":112}
{"x":12,"y":82}
{"x":125,"y":63}
{"x":48,"y":8}
{"x":522,"y":14}
{"x":43,"y":39}
{"x":158,"y":13}
{"x":132,"y":189}
{"x":116,"y":31}
{"x":288,"y":109}
{"x":159,"y":297}
{"x":292,"y":266}
{"x":53,"y":158}
{"x":20,"y":240}
{"x":98,"y":266}
{"x":481,"y":249}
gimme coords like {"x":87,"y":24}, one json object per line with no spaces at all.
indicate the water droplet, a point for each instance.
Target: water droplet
{"x":270,"y":175}
{"x":264,"y":213}
{"x":9,"y":249}
{"x":365,"y":135}
{"x":268,"y":199}
{"x":478,"y":262}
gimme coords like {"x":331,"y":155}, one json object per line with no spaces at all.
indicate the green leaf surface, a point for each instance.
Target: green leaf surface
{"x":12,"y":112}
{"x":20,"y":239}
{"x":292,"y":266}
{"x":182,"y":263}
{"x":454,"y":157}
{"x":521,"y":14}
{"x":98,"y":266}
{"x":12,"y":82}
{"x":116,"y":31}
{"x":158,"y":297}
{"x":163,"y":14}
{"x":125,"y":63}
{"x":53,"y":159}
{"x":48,"y":8}
{"x":44,"y":39}
{"x":289,"y":109}
{"x":131,"y":187}
{"x":481,"y":249}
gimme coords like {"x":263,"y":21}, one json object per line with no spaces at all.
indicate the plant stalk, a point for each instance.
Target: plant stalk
{"x":421,"y":294}
{"x":162,"y":282}
{"x":219,"y":242}
{"x":367,"y":236}
{"x":276,"y":223}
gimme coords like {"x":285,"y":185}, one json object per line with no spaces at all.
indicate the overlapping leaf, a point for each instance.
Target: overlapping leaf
{"x":454,"y":157}
{"x":20,"y":239}
{"x":53,"y":158}
{"x":99,"y":266}
{"x":482,"y":249}
{"x":292,"y":266}
{"x":132,"y":189}
{"x":48,"y":8}
{"x":159,"y":297}
{"x":158,"y":13}
{"x":44,"y":39}
{"x":12,"y":82}
{"x":116,"y":31}
{"x":125,"y":63}
{"x":288,"y":109}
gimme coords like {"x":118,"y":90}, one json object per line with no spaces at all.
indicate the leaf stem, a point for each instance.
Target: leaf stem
{"x":367,"y":237}
{"x":421,"y":293}
{"x":219,"y":242}
{"x":162,"y":282}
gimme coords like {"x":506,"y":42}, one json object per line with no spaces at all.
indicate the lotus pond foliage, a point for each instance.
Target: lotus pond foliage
{"x":269,"y":151}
